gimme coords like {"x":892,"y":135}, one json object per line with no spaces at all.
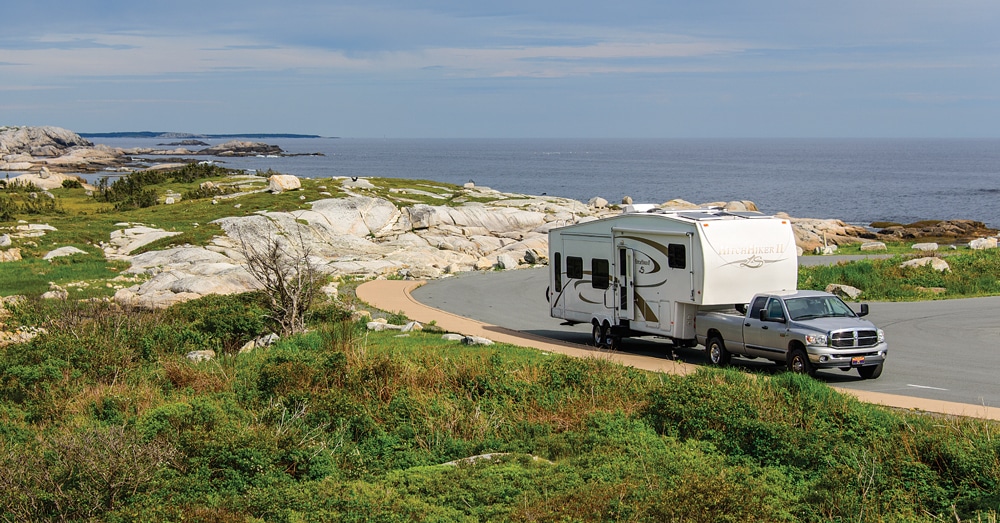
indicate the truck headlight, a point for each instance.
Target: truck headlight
{"x":816,"y":339}
{"x":881,"y":336}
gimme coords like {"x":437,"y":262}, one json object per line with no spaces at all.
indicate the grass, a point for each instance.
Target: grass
{"x":83,"y":275}
{"x":972,"y":274}
{"x":342,"y":424}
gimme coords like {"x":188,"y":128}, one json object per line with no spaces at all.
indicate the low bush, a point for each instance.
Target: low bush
{"x":344,"y":424}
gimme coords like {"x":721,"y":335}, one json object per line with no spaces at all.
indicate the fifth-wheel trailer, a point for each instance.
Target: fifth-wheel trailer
{"x":649,"y":271}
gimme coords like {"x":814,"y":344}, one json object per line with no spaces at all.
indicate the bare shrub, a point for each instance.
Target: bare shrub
{"x":79,"y":475}
{"x":282,"y":266}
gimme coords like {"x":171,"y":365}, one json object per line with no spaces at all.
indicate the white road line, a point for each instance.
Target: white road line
{"x":924,"y":387}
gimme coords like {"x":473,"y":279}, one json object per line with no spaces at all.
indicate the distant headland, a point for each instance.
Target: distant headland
{"x":174,"y":136}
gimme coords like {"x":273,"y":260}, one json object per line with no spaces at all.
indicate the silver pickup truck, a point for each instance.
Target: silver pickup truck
{"x":806,"y":330}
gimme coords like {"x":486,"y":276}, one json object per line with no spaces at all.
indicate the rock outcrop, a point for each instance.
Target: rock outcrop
{"x":54,"y":148}
{"x":961,"y":231}
{"x":39,"y":141}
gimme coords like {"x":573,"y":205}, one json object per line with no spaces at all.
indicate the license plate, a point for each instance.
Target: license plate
{"x":857,"y":360}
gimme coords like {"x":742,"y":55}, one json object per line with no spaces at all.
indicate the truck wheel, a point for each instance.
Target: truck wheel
{"x":798,"y":363}
{"x":717,"y":353}
{"x":870,"y":372}
{"x":598,"y":335}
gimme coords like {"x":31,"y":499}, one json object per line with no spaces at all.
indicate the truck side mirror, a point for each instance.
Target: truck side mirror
{"x":864,"y":310}
{"x":762,"y":314}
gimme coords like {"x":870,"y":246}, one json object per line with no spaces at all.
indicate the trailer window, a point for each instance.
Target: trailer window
{"x":676,"y":256}
{"x":601,"y":273}
{"x":557,"y":266}
{"x":574,"y":267}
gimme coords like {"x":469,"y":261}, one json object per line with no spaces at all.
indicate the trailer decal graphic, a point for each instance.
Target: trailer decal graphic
{"x":753,"y":262}
{"x":645,"y":310}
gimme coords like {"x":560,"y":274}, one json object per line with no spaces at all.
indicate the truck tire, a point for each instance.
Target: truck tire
{"x":870,"y":372}
{"x":715,"y":348}
{"x":798,"y":363}
{"x":598,"y":335}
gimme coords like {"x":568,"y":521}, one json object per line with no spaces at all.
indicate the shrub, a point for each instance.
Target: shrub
{"x":8,"y":208}
{"x":232,"y":319}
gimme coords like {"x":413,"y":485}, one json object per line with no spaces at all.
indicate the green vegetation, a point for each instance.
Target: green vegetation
{"x":104,"y":419}
{"x":89,"y":273}
{"x":972,"y":274}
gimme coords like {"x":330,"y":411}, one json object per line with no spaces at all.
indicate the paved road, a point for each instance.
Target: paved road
{"x":945,"y":350}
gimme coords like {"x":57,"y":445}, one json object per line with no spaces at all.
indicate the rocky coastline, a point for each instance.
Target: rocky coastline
{"x":354,"y":229}
{"x":32,"y":149}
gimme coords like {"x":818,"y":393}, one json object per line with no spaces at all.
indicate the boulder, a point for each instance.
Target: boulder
{"x":740,"y":206}
{"x":925,"y":246}
{"x":476,"y":340}
{"x":873,"y":246}
{"x":533,"y":257}
{"x":5,"y":240}
{"x":506,"y":262}
{"x":977,"y":245}
{"x":55,"y":292}
{"x":452,"y":337}
{"x":844,"y":291}
{"x":937,"y":264}
{"x":63,"y":251}
{"x":10,"y":255}
{"x":283,"y":182}
{"x":264,"y":341}
{"x":597,"y":202}
{"x":198,"y":356}
{"x":413,"y":326}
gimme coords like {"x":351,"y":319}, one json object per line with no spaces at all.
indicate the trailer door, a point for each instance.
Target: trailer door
{"x":626,"y":284}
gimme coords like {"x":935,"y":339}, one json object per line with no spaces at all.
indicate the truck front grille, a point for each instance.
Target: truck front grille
{"x":848,"y":339}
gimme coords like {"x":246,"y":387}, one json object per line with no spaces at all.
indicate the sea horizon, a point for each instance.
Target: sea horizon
{"x":858,"y":180}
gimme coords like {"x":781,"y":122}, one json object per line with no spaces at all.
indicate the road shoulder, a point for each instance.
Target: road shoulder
{"x":395,"y":296}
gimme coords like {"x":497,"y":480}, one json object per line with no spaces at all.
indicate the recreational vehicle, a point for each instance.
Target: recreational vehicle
{"x":649,"y":272}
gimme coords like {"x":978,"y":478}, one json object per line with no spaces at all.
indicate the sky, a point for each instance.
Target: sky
{"x":510,"y":68}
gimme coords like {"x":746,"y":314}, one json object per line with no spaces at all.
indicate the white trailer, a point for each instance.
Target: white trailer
{"x":649,"y":273}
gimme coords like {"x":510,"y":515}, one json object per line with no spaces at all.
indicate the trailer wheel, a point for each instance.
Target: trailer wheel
{"x":598,"y":335}
{"x":798,"y":363}
{"x":717,"y":353}
{"x":871,"y":372}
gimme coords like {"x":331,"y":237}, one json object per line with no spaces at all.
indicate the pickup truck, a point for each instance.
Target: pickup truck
{"x":806,"y":330}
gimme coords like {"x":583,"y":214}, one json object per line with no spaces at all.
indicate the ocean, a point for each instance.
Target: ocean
{"x":859,"y":181}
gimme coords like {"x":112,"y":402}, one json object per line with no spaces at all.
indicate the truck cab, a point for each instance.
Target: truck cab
{"x":806,"y":330}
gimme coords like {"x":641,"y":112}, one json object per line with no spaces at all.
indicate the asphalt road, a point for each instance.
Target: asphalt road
{"x":945,"y":350}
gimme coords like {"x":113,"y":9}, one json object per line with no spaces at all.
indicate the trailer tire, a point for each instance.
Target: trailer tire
{"x":870,"y":372}
{"x":717,"y":353}
{"x":597,"y":335}
{"x":799,"y":363}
